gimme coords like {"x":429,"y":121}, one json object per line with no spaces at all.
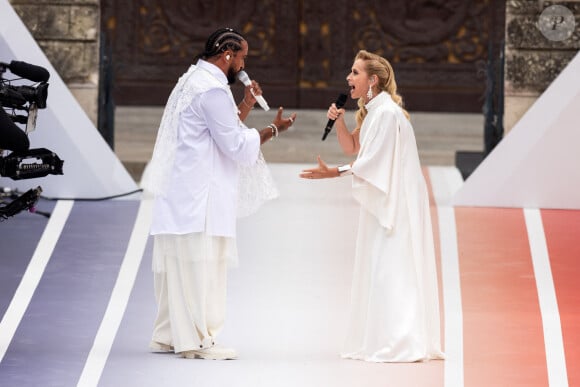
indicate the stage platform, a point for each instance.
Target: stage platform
{"x":77,"y":303}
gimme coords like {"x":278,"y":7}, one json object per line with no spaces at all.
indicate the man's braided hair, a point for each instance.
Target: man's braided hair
{"x":222,"y":40}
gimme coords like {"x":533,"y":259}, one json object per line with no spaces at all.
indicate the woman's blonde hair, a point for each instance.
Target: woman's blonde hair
{"x":379,"y":66}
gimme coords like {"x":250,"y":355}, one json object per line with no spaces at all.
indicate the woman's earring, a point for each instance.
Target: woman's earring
{"x":370,"y":92}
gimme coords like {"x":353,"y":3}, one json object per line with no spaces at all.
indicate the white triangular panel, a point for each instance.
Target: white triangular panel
{"x":91,"y":169}
{"x":537,"y":164}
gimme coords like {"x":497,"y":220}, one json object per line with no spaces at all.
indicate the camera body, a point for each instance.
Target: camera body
{"x":24,"y":96}
{"x":24,"y":99}
{"x":19,"y":104}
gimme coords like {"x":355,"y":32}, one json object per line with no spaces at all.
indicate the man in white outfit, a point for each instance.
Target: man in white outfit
{"x":202,"y":147}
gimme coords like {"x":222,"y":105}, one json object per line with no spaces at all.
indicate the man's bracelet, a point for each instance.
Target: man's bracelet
{"x":274,"y":129}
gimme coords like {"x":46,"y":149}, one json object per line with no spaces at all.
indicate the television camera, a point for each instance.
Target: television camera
{"x":19,"y":105}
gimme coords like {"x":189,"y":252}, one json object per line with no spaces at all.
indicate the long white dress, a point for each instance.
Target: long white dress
{"x":394,"y":299}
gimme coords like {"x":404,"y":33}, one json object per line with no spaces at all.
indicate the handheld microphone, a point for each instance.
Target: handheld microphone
{"x":243,"y":76}
{"x":27,"y":70}
{"x":340,"y":101}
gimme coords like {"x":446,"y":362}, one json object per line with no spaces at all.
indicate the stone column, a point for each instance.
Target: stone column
{"x":541,"y":38}
{"x":68,"y":33}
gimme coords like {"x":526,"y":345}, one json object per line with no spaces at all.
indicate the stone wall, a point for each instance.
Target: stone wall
{"x":535,"y":53}
{"x":68,"y":33}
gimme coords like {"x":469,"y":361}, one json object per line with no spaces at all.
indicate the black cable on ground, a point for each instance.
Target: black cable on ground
{"x":94,"y":199}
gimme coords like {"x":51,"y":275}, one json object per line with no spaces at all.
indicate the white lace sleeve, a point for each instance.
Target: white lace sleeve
{"x":255,"y":187}
{"x":158,"y":169}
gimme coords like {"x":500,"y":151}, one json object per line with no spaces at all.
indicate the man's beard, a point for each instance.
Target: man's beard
{"x":232,"y":76}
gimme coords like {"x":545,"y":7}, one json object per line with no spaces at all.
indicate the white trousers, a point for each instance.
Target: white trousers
{"x":190,"y":289}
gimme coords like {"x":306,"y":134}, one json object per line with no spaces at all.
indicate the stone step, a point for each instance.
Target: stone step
{"x":439,"y":136}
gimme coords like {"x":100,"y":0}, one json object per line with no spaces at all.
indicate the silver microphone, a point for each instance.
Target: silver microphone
{"x":243,"y":76}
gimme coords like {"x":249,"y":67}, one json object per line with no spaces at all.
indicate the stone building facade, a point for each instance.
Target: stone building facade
{"x":536,"y":54}
{"x":68,"y":33}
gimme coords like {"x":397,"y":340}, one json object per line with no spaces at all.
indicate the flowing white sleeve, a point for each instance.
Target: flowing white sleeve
{"x":377,"y":169}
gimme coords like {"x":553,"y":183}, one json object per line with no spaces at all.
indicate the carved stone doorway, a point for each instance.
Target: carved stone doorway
{"x":301,"y":51}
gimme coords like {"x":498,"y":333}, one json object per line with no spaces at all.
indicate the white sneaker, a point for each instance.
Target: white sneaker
{"x":212,"y":353}
{"x":156,"y":346}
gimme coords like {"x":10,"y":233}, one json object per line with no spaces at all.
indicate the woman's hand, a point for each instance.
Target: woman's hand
{"x":334,"y":113}
{"x":320,"y":172}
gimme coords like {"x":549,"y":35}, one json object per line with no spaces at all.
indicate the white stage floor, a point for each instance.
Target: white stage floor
{"x":78,"y":306}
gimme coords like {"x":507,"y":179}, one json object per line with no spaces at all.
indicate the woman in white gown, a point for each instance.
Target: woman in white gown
{"x":394,"y":299}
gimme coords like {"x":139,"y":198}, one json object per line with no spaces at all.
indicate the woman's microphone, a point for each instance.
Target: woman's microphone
{"x":242,"y":76}
{"x":340,"y":101}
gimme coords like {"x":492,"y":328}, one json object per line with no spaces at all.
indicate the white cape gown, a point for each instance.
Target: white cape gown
{"x":394,"y":299}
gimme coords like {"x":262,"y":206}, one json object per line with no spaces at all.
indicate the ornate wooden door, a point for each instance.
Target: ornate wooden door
{"x":301,"y":51}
